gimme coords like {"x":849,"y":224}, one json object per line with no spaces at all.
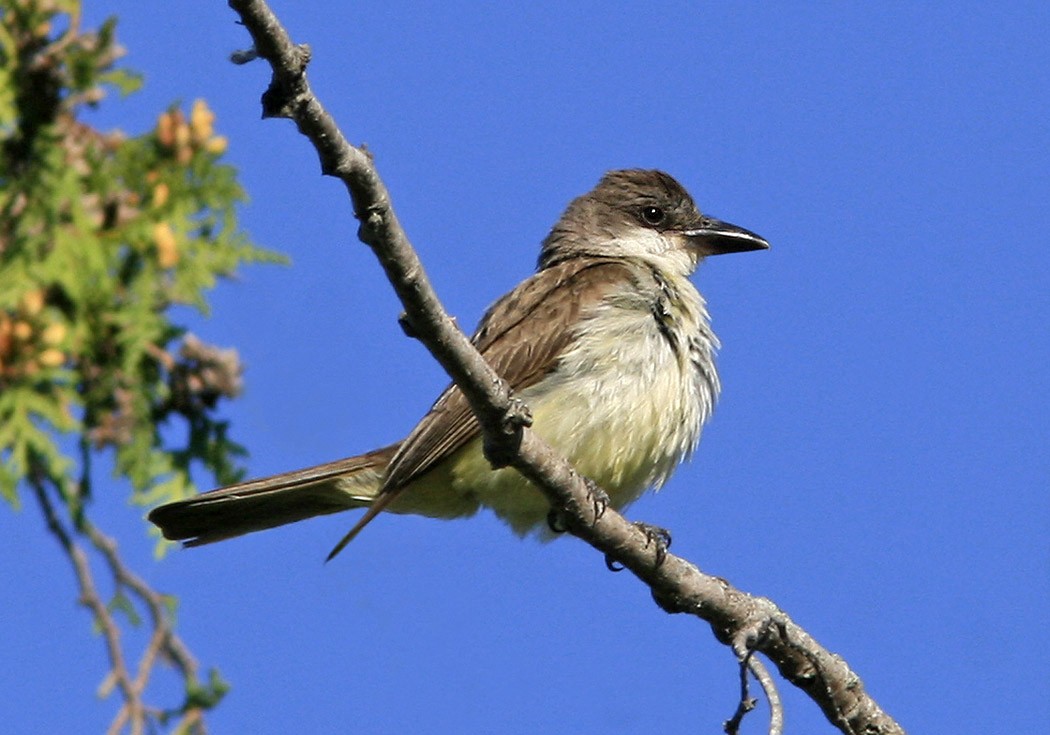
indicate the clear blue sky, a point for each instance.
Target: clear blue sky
{"x":878,"y":464}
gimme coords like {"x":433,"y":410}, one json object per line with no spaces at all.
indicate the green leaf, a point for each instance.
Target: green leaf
{"x":126,"y":81}
{"x":123,"y":604}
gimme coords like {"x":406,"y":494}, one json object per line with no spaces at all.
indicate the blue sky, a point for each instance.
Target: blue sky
{"x":878,"y":464}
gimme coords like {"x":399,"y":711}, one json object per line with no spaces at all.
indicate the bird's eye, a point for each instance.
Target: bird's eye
{"x":652,"y":215}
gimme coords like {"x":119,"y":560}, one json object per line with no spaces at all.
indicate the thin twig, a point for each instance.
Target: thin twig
{"x":746,"y":702}
{"x":132,"y":710}
{"x":677,"y":585}
{"x":744,"y":646}
{"x":49,"y":53}
{"x":769,"y":688}
{"x":163,"y":640}
{"x":134,"y":713}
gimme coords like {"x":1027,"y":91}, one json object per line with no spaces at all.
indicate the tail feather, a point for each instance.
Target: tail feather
{"x":381,"y":501}
{"x":274,"y":501}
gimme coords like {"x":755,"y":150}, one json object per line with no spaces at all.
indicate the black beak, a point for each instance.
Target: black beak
{"x":714,"y":237}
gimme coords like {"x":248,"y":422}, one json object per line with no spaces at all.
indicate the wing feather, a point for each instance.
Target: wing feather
{"x":521,"y":336}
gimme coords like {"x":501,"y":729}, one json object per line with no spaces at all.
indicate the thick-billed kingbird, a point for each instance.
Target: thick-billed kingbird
{"x":608,"y":344}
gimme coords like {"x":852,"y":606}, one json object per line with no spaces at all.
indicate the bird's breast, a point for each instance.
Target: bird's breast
{"x":625,"y":402}
{"x":628,"y":398}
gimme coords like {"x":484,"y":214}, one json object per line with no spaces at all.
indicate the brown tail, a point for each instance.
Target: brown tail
{"x":274,"y":501}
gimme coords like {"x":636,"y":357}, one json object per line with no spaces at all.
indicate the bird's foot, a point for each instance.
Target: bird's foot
{"x":655,"y":536}
{"x":598,"y":498}
{"x":659,"y":537}
{"x":553,"y":516}
{"x":503,"y":451}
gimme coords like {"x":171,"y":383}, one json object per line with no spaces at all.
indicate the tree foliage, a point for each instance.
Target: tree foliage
{"x":102,"y":236}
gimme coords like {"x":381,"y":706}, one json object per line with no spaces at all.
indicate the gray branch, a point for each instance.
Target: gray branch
{"x":135,"y":714}
{"x":676,"y":584}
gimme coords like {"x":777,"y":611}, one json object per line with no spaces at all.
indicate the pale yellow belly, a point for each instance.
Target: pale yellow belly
{"x":623,"y":408}
{"x":625,"y":405}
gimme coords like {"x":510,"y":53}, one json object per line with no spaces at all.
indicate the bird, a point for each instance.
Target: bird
{"x":609,"y":345}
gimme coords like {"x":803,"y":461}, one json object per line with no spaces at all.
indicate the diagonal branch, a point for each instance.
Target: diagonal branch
{"x":677,"y":585}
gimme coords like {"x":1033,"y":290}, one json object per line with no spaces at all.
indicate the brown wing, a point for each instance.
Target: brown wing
{"x":521,"y":337}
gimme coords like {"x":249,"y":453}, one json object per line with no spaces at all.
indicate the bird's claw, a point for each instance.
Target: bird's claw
{"x":599,"y":499}
{"x":656,"y":536}
{"x":659,"y":537}
{"x":553,"y":516}
{"x":504,"y":450}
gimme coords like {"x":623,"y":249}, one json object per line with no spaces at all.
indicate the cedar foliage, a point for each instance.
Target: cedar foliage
{"x":103,"y":236}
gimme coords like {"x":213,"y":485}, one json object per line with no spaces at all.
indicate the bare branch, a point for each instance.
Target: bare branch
{"x":134,"y":714}
{"x":133,"y":709}
{"x":769,"y":688}
{"x":677,"y":585}
{"x":745,"y":651}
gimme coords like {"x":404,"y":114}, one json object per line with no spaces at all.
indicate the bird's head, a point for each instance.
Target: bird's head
{"x":637,"y":213}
